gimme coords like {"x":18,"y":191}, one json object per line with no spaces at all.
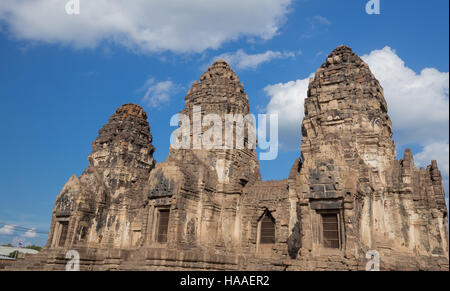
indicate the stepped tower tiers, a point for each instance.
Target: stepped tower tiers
{"x":99,"y":208}
{"x":221,"y":93}
{"x":209,"y":182}
{"x":207,"y":208}
{"x":349,"y":173}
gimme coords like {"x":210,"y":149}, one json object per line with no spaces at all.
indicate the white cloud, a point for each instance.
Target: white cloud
{"x":321,"y":20}
{"x":158,"y":93}
{"x":7,"y":229}
{"x":30,"y":233}
{"x":287,"y":101}
{"x":242,"y":61}
{"x":145,"y":26}
{"x":418,"y":104}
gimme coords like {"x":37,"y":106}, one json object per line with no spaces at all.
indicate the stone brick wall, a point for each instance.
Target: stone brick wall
{"x":347,"y":169}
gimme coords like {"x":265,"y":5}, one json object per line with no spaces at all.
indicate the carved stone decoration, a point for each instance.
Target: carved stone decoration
{"x":163,"y":187}
{"x":202,"y":209}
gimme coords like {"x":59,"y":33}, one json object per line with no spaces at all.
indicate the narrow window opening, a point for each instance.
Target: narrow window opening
{"x":267,"y":235}
{"x":63,"y":233}
{"x":163,"y":225}
{"x":330,"y":230}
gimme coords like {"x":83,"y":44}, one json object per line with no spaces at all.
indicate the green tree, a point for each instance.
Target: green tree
{"x":33,"y":247}
{"x":14,"y":254}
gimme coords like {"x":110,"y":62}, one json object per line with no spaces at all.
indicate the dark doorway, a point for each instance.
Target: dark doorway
{"x":330,"y":230}
{"x":163,"y":225}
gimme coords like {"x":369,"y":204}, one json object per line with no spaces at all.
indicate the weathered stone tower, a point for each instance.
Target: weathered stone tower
{"x":208,"y":182}
{"x":207,"y":208}
{"x":99,"y":208}
{"x":354,"y":195}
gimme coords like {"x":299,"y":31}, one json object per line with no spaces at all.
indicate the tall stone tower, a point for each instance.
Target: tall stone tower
{"x":209,"y":181}
{"x":100,"y":208}
{"x":354,"y":195}
{"x":219,"y":94}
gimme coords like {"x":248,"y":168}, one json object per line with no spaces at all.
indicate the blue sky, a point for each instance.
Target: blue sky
{"x":62,"y":76}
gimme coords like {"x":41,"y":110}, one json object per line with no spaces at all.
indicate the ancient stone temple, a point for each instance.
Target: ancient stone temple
{"x":207,"y":209}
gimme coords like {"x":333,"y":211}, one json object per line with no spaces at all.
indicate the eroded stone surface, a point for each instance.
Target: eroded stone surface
{"x":349,"y":167}
{"x":217,"y":200}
